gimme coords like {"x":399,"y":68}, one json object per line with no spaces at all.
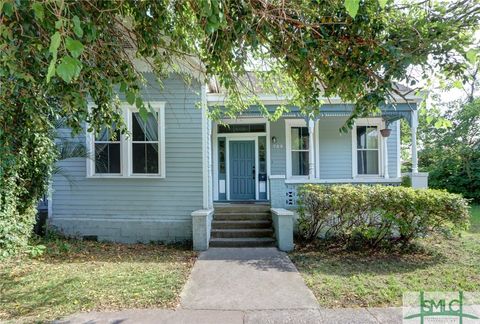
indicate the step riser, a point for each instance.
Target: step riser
{"x":242,"y":234}
{"x":241,"y":244}
{"x":241,"y":225}
{"x":240,"y":217}
{"x":242,"y":209}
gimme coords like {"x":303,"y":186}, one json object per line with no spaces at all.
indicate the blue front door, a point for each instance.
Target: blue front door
{"x":242,"y":170}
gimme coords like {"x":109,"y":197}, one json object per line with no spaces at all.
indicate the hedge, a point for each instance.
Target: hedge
{"x":374,"y":216}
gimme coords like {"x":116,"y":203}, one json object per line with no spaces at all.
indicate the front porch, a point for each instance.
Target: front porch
{"x":255,"y":159}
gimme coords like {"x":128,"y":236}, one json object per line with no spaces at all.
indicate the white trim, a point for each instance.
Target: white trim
{"x":399,"y":158}
{"x":126,"y":147}
{"x":414,"y":141}
{"x":215,"y":162}
{"x":373,"y":121}
{"x":238,"y":137}
{"x":357,"y":180}
{"x":272,"y":99}
{"x":277,"y":176}
{"x":160,"y":108}
{"x":317,"y":148}
{"x":204,"y":146}
{"x":289,"y":123}
{"x":267,"y":158}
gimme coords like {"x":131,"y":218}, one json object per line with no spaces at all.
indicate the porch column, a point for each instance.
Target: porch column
{"x":385,"y":164}
{"x":414,"y":141}
{"x":311,"y":155}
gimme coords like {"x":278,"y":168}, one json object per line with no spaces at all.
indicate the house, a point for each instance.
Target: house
{"x":179,"y":170}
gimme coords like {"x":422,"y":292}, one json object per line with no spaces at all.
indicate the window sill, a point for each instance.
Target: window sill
{"x":101,"y":176}
{"x":346,"y":181}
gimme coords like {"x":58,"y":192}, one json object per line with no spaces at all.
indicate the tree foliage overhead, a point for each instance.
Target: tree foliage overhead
{"x":55,"y":55}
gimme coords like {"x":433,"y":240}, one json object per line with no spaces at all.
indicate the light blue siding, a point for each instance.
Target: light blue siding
{"x":277,"y":150}
{"x":392,"y":144}
{"x":131,"y":210}
{"x":335,"y":149}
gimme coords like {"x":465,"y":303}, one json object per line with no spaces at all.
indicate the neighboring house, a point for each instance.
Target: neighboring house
{"x":165,"y":181}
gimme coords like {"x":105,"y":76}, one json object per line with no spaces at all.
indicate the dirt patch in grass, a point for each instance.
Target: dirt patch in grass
{"x":74,"y":276}
{"x":351,"y":279}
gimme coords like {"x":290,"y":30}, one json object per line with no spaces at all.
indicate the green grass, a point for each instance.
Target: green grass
{"x":78,"y":276}
{"x":348,"y":279}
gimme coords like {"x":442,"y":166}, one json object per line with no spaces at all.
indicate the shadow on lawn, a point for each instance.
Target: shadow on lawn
{"x":78,"y":251}
{"x":330,"y":260}
{"x":32,"y":301}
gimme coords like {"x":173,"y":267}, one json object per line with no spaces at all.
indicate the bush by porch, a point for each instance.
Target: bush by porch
{"x":378,"y":216}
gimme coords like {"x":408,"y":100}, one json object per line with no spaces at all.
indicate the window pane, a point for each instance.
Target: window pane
{"x":101,"y":158}
{"x":367,"y":162}
{"x":299,"y":163}
{"x":107,"y":158}
{"x":145,"y":157}
{"x":299,"y":137}
{"x":152,"y":158}
{"x":114,"y":158}
{"x":361,"y":137}
{"x":241,"y":128}
{"x":372,"y":138}
{"x":144,"y":130}
{"x":221,"y":155}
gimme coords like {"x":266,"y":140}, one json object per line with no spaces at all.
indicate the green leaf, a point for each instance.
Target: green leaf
{"x":352,"y":7}
{"x":7,"y":8}
{"x":382,"y":3}
{"x":458,"y":84}
{"x":142,"y":109}
{"x":77,"y":28}
{"x":130,"y":96}
{"x":54,"y":43}
{"x":472,"y":56}
{"x":58,"y":24}
{"x":123,"y":87}
{"x":74,"y":46}
{"x":51,"y":69}
{"x":38,"y":10}
{"x":69,"y":68}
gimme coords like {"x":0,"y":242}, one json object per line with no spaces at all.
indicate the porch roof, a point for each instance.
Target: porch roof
{"x":389,"y":112}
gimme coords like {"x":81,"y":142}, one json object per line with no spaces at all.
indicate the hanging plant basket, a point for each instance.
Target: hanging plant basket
{"x":386,"y":132}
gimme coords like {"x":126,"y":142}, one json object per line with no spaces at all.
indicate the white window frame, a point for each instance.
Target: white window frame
{"x":289,"y":123}
{"x":126,"y":165}
{"x":379,"y":123}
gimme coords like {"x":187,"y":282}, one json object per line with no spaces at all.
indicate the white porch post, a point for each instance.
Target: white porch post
{"x":311,"y":155}
{"x":385,"y":158}
{"x":414,"y":141}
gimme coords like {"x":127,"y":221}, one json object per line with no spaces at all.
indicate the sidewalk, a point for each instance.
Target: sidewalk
{"x":244,"y":285}
{"x":183,"y":316}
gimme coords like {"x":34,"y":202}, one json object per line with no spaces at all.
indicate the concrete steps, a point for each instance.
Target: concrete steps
{"x":243,"y":242}
{"x":239,"y":224}
{"x":242,"y":225}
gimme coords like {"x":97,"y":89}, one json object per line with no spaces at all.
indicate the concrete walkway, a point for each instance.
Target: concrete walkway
{"x":244,"y":285}
{"x":246,"y":279}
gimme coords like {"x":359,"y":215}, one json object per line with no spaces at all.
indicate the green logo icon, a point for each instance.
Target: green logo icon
{"x":441,"y":307}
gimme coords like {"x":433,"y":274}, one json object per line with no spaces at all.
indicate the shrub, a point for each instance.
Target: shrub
{"x":374,"y":216}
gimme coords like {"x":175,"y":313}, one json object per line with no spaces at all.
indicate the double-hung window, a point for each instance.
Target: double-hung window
{"x":367,"y":149}
{"x":297,"y":148}
{"x":139,"y":153}
{"x":145,"y":143}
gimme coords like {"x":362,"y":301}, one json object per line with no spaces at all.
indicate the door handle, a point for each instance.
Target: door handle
{"x":253,"y":172}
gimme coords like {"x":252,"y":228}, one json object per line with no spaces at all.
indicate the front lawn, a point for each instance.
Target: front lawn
{"x":349,"y":279}
{"x":76,"y":276}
